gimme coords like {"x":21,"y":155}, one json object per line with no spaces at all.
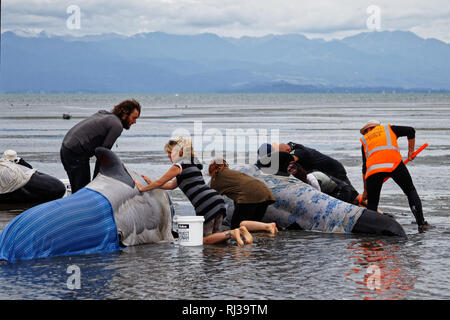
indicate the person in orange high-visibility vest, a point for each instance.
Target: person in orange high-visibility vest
{"x":381,"y":159}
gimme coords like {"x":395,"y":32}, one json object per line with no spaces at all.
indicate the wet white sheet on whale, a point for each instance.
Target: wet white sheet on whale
{"x":141,"y":217}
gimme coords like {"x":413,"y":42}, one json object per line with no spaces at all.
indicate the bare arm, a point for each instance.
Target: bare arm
{"x":364,"y":194}
{"x":162,"y":183}
{"x":411,"y":146}
{"x":364,"y":169}
{"x":170,"y":185}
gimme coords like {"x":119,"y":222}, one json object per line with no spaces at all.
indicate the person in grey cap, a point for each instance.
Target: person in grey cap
{"x":272,"y":161}
{"x":382,"y":159}
{"x":99,"y":130}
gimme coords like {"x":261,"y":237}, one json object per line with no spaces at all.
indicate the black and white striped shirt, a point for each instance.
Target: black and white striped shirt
{"x":206,"y":201}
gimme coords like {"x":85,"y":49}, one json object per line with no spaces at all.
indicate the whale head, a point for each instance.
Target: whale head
{"x":140,"y":217}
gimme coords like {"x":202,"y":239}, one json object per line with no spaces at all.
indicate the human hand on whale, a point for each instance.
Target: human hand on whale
{"x":140,"y":186}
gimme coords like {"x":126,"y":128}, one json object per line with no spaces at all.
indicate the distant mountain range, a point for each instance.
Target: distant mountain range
{"x":163,"y":63}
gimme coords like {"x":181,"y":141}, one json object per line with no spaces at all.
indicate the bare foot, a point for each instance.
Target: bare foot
{"x":247,"y":236}
{"x":272,"y":227}
{"x":236,"y":235}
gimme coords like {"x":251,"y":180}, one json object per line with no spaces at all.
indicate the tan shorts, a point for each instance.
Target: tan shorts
{"x":213,"y":225}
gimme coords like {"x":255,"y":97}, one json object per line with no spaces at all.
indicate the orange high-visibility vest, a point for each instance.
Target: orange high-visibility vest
{"x":381,"y":150}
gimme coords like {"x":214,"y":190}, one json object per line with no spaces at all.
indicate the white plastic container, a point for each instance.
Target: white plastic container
{"x":68,"y":188}
{"x":190,"y":230}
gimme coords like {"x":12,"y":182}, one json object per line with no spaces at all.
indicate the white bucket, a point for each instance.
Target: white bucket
{"x":190,"y":230}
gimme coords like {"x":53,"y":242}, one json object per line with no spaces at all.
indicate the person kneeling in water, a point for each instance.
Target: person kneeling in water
{"x":207,"y":202}
{"x":251,"y":197}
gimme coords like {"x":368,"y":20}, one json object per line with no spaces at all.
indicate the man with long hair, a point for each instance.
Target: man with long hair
{"x":99,"y":130}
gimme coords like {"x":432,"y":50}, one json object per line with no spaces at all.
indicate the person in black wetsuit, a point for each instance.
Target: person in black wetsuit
{"x":99,"y":130}
{"x":312,"y":160}
{"x":273,"y":161}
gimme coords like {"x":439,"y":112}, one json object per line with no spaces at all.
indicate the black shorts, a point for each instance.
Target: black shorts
{"x":248,"y":211}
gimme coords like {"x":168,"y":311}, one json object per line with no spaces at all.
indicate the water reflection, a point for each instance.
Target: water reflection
{"x":382,"y":269}
{"x":52,"y":278}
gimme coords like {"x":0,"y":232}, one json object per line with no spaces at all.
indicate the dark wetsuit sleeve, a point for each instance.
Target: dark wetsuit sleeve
{"x":99,"y":130}
{"x":402,"y":131}
{"x":24,"y":163}
{"x":112,"y":136}
{"x":300,"y":153}
{"x":304,"y":158}
{"x":364,"y":168}
{"x":294,"y":145}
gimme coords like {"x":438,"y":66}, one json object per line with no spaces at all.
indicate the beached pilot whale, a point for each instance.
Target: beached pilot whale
{"x":21,"y":184}
{"x":300,"y":205}
{"x":92,"y":219}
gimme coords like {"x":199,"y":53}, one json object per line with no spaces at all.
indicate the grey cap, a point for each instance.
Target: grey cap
{"x":370,"y":124}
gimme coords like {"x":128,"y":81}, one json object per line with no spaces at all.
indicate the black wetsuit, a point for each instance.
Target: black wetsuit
{"x":400,"y":175}
{"x":99,"y":130}
{"x":313,"y":160}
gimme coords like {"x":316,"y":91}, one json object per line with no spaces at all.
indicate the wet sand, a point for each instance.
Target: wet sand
{"x":290,"y":265}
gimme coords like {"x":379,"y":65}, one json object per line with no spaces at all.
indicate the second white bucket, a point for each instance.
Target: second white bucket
{"x":190,"y":230}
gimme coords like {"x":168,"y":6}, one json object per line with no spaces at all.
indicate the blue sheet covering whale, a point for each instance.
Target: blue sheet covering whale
{"x":90,"y":220}
{"x":298,"y":202}
{"x":80,"y":224}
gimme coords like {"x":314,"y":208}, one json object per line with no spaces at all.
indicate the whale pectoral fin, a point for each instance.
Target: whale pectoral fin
{"x":121,"y":239}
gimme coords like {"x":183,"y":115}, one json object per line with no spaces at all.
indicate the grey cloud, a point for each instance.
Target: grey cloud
{"x":226,"y":17}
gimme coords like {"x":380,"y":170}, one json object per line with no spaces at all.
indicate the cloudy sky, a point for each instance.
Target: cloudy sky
{"x":233,"y":18}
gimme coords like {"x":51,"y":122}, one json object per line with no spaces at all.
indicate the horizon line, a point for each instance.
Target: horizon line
{"x":29,"y":34}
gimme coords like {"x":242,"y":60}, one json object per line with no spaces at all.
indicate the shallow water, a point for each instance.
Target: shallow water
{"x":290,"y":265}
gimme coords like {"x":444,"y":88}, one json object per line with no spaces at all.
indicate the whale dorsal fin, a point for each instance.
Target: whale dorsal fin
{"x":111,"y":166}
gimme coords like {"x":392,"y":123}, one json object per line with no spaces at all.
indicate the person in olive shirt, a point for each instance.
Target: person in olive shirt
{"x":99,"y":130}
{"x":251,"y":197}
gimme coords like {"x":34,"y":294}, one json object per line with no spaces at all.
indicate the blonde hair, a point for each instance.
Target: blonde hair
{"x":183,"y":143}
{"x":217,"y":165}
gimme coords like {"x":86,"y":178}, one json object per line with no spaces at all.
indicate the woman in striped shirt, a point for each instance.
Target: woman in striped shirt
{"x":206,"y":201}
